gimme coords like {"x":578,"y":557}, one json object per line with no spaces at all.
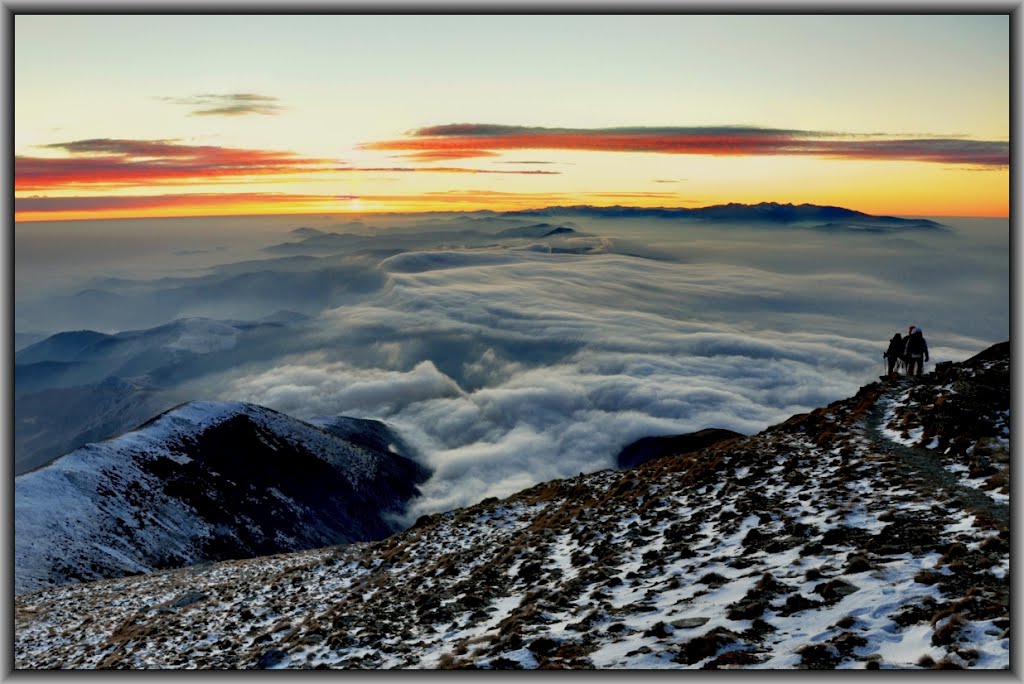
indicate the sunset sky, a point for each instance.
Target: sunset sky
{"x":138,"y":116}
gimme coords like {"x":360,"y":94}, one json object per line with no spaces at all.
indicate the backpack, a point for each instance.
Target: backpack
{"x":895,"y":349}
{"x":915,"y":343}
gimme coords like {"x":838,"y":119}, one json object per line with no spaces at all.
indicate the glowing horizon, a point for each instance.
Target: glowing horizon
{"x":227,"y":130}
{"x":356,"y":211}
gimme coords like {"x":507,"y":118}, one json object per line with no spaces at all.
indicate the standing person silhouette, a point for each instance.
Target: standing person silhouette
{"x":916,"y":351}
{"x":894,"y":354}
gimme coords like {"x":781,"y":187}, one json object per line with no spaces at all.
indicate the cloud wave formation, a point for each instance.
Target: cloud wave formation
{"x":508,"y":367}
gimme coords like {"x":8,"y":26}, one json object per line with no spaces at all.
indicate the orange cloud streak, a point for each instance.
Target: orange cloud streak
{"x":113,"y":163}
{"x":447,"y":154}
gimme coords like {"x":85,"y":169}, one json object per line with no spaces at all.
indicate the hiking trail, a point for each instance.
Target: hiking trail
{"x":926,"y":463}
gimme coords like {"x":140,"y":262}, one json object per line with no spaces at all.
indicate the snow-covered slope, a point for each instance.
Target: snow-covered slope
{"x":822,"y":542}
{"x":204,"y":481}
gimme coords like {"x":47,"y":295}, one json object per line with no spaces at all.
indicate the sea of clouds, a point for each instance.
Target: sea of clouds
{"x":509,"y":362}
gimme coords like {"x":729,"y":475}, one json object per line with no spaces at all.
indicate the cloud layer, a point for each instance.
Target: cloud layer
{"x":510,"y":367}
{"x":507,"y":361}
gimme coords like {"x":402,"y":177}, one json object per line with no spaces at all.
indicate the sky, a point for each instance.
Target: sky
{"x":157,"y":116}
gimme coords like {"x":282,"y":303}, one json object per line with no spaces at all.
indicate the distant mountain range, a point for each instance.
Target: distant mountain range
{"x":823,"y":217}
{"x":81,"y":386}
{"x":51,"y":422}
{"x":473,"y":232}
{"x":208,"y":481}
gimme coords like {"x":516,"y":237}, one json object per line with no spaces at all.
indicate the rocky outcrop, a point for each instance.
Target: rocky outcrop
{"x":648,"y":448}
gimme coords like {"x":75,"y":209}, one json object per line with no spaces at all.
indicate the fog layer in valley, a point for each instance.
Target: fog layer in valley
{"x":506,"y":349}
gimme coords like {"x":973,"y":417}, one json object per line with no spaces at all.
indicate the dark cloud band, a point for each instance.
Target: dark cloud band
{"x":455,"y":141}
{"x":229,"y":104}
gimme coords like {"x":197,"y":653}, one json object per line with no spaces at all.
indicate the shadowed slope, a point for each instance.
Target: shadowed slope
{"x":205,"y":481}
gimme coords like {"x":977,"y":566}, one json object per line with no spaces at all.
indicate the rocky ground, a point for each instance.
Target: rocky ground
{"x":871,"y":533}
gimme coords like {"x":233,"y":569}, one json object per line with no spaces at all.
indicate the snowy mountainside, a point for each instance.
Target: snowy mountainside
{"x":960,"y":417}
{"x":204,"y":481}
{"x":372,"y":434}
{"x":822,"y":542}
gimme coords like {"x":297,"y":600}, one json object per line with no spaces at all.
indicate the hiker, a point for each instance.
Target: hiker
{"x":894,"y":354}
{"x":915,"y":351}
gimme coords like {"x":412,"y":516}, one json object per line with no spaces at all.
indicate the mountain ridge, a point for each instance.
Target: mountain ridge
{"x":77,"y":387}
{"x":870,"y":533}
{"x":205,"y":481}
{"x":766,"y":212}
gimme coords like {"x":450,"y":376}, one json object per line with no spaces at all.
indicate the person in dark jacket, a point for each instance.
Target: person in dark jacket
{"x":894,"y":354}
{"x":915,"y":350}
